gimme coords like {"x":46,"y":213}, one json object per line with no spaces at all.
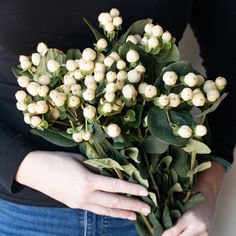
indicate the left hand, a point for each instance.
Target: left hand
{"x":198,"y":220}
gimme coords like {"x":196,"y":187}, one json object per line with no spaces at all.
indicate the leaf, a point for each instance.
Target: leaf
{"x":197,"y":147}
{"x":164,"y":163}
{"x":214,"y":106}
{"x":140,"y":227}
{"x":171,"y":56}
{"x":98,"y":35}
{"x":132,"y":153}
{"x":54,"y":137}
{"x":157,"y":227}
{"x":136,"y":28}
{"x":88,"y":151}
{"x":138,"y":116}
{"x":99,"y":134}
{"x":203,"y":166}
{"x":160,"y":128}
{"x":193,"y":201}
{"x":19,"y":72}
{"x":166,"y":218}
{"x":107,"y":163}
{"x":153,"y":197}
{"x":73,"y":54}
{"x":175,"y":188}
{"x":153,"y":145}
{"x":132,"y":171}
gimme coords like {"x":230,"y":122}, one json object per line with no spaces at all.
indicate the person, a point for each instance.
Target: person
{"x":45,"y":189}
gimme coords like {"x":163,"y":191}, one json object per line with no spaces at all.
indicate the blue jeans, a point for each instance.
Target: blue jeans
{"x":23,"y":220}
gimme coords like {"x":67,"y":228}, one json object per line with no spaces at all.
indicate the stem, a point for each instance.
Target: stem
{"x":149,"y":227}
{"x":168,"y":118}
{"x":154,"y":183}
{"x":61,"y":123}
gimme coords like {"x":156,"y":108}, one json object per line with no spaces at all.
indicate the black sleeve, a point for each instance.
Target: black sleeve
{"x":13,"y":147}
{"x":213,"y":22}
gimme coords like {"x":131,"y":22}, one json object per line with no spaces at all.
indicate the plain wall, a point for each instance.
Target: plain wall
{"x":225,"y":221}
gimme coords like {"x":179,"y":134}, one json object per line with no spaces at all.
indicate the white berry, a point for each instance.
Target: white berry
{"x":170,"y":78}
{"x":132,"y":56}
{"x":53,"y":65}
{"x":89,"y":112}
{"x":200,"y":130}
{"x":113,"y":130}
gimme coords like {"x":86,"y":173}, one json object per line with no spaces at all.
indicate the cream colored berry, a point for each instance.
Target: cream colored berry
{"x":44,"y":80}
{"x":109,"y":27}
{"x":120,"y":84}
{"x":23,"y":81}
{"x":198,"y":99}
{"x":32,"y":88}
{"x":109,"y":97}
{"x":111,"y":87}
{"x":120,"y":64}
{"x":71,"y":65}
{"x":166,"y":36}
{"x":191,"y":79}
{"x":113,"y":130}
{"x":163,"y":100}
{"x":41,"y":107}
{"x":99,"y":76}
{"x":122,"y":75}
{"x":20,"y":95}
{"x":108,"y":61}
{"x":157,"y":30}
{"x":104,"y":18}
{"x":174,"y":100}
{"x":86,"y":136}
{"x":134,"y":76}
{"x":150,"y":91}
{"x":140,"y":68}
{"x":132,"y":56}
{"x":36,"y":58}
{"x":132,"y":39}
{"x":27,"y":118}
{"x":43,"y":91}
{"x":74,"y":101}
{"x":102,"y":43}
{"x":185,"y":131}
{"x":117,"y":21}
{"x":89,"y":54}
{"x":107,"y":107}
{"x":89,"y":112}
{"x":170,"y":78}
{"x":153,"y":42}
{"x":76,"y":90}
{"x":148,"y":28}
{"x":42,"y":48}
{"x":186,"y":94}
{"x":35,"y":121}
{"x":220,"y":82}
{"x":129,"y":91}
{"x":54,"y":112}
{"x":213,"y":95}
{"x":89,"y":94}
{"x":111,"y":76}
{"x":31,"y":108}
{"x":77,"y":137}
{"x":25,"y":65}
{"x":53,"y":65}
{"x":209,"y":85}
{"x":114,"y":12}
{"x":86,"y":66}
{"x":200,"y":130}
{"x":142,"y":87}
{"x":21,"y":106}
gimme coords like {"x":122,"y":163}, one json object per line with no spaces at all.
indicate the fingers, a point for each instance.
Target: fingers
{"x":114,"y":185}
{"x":117,"y":201}
{"x":176,"y":230}
{"x":106,"y":211}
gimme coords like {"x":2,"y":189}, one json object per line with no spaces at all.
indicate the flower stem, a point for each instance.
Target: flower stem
{"x":148,"y":225}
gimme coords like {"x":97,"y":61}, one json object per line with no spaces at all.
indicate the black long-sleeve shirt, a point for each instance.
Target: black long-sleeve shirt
{"x":24,"y":23}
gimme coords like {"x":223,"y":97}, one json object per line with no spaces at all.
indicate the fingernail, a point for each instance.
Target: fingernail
{"x":146,"y":210}
{"x":143,"y":193}
{"x":132,"y":218}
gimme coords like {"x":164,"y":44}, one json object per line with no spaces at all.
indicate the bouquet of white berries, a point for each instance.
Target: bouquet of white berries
{"x":131,"y":106}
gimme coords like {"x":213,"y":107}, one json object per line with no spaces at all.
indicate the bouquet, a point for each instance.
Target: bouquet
{"x":133,"y":109}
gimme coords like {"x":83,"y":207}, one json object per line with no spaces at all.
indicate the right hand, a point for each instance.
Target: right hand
{"x":62,"y":176}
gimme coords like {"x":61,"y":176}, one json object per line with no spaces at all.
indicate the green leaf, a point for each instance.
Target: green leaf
{"x":136,"y":28}
{"x":19,"y":72}
{"x":193,"y":201}
{"x":157,"y":227}
{"x":107,"y":163}
{"x":197,"y":147}
{"x":160,"y":128}
{"x":132,"y":153}
{"x":153,"y":197}
{"x":88,"y":150}
{"x":203,"y":166}
{"x":98,"y":35}
{"x":166,"y":218}
{"x":164,"y":163}
{"x":132,"y":171}
{"x":73,"y":54}
{"x":171,"y":56}
{"x":153,"y":145}
{"x":54,"y":137}
{"x":138,"y":116}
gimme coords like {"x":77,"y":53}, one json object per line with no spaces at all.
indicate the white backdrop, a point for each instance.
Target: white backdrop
{"x":225,"y":221}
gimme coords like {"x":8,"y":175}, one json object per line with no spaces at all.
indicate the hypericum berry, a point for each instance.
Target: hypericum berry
{"x":74,"y":101}
{"x":65,"y":88}
{"x":107,"y":107}
{"x":23,"y":81}
{"x":109,"y":97}
{"x":153,"y":42}
{"x":140,"y":68}
{"x":114,"y":12}
{"x":108,"y":61}
{"x":69,"y":80}
{"x":36,"y":58}
{"x":191,"y":79}
{"x":109,"y":27}
{"x":142,"y":87}
{"x":174,"y":100}
{"x":31,"y":108}
{"x":163,"y":100}
{"x":99,"y":66}
{"x":77,"y":137}
{"x":117,"y":21}
{"x":25,"y":65}
{"x":115,"y":56}
{"x":32,"y":88}
{"x":200,"y":130}
{"x":104,"y":18}
{"x":53,"y":65}
{"x":44,"y":80}
{"x":113,"y":130}
{"x":86,"y":135}
{"x":166,"y":36}
{"x":132,"y":39}
{"x":59,"y":99}
{"x":120,"y":64}
{"x":20,"y":95}
{"x":157,"y":30}
{"x":41,"y":107}
{"x":99,"y":76}
{"x":78,"y":75}
{"x":170,"y":78}
{"x":89,"y":112}
{"x":111,"y":76}
{"x":43,"y":91}
{"x":148,"y":28}
{"x":88,"y":80}
{"x":89,"y":94}
{"x":86,"y":66}
{"x":186,"y":94}
{"x":132,"y":56}
{"x":144,"y":40}
{"x":129,"y":91}
{"x":21,"y":106}
{"x":89,"y":54}
{"x":213,"y":95}
{"x":150,"y":91}
{"x":185,"y":131}
{"x":42,"y":48}
{"x":111,"y":87}
{"x":102,"y":44}
{"x":35,"y":121}
{"x":200,"y":80}
{"x":134,"y":76}
{"x":54,"y":112}
{"x":76,"y":90}
{"x":220,"y":82}
{"x":71,"y":65}
{"x":23,"y":58}
{"x":120,"y":84}
{"x":209,"y":85}
{"x":100,"y":57}
{"x":198,"y":99}
{"x":27,"y":118}
{"x":122,"y":75}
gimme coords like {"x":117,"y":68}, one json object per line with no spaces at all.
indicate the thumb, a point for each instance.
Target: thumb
{"x":174,"y":231}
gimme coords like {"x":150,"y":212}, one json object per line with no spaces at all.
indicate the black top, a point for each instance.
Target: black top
{"x":24,"y":23}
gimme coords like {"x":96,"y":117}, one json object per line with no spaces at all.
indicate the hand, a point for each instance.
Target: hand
{"x":62,"y":176}
{"x":198,"y":220}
